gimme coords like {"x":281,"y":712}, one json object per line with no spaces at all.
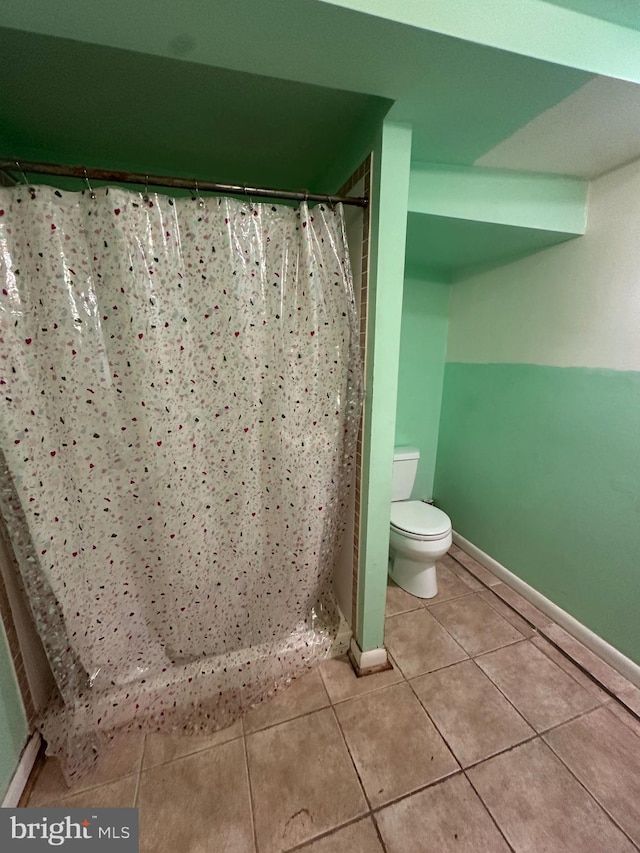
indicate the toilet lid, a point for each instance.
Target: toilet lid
{"x":419,"y":518}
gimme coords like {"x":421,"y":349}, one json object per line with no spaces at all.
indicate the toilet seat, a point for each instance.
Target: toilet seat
{"x":418,"y":520}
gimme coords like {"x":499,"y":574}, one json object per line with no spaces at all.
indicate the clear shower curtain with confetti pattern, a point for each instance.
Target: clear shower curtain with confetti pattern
{"x":181,"y":390}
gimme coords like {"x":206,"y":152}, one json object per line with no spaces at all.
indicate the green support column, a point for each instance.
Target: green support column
{"x":389,"y":196}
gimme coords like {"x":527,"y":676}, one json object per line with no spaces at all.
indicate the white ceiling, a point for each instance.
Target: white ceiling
{"x":592,"y":131}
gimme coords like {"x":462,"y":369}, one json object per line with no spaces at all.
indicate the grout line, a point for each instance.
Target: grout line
{"x":139,"y":774}
{"x":250,"y":787}
{"x":572,"y":719}
{"x":431,"y":602}
{"x":539,"y":632}
{"x":534,"y":736}
{"x":329,"y":832}
{"x":417,"y":790}
{"x":488,"y":811}
{"x":402,"y":612}
{"x":346,"y":746}
{"x":590,"y":675}
{"x":622,"y":719}
{"x":458,"y":642}
{"x":439,"y":669}
{"x":373,"y":689}
{"x":509,"y":702}
{"x":586,"y":674}
{"x":435,"y":725}
{"x":591,"y":794}
{"x":380,"y":689}
{"x":473,"y":575}
{"x":522,"y":713}
{"x":508,"y":606}
{"x":374,"y":821}
{"x":189,"y":754}
{"x":287,"y":720}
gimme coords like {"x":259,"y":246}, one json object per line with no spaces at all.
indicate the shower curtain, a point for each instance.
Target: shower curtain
{"x":182,"y":389}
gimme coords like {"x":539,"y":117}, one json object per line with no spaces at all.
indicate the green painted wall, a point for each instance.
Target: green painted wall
{"x":539,"y":447}
{"x":546,"y":202}
{"x":423,"y":346}
{"x":13,"y":722}
{"x":390,"y":191}
{"x":461,"y":98}
{"x":540,"y":467}
{"x":457,"y":247}
{"x":179,"y":118}
{"x":533,"y":27}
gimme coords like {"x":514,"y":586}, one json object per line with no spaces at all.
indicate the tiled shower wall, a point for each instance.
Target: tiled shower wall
{"x":363,"y":173}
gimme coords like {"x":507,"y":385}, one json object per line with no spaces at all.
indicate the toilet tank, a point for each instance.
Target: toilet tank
{"x":405,"y":466}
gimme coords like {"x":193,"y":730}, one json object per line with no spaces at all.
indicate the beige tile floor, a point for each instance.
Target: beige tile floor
{"x":485,"y":736}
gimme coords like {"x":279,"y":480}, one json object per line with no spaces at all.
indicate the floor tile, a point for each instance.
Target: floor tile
{"x":589,"y":661}
{"x":508,"y":612}
{"x":460,"y":572}
{"x":449,"y":586}
{"x":342,"y":683}
{"x":395,"y":746}
{"x":122,"y":758}
{"x":540,"y":806}
{"x":476,"y":626}
{"x":470,"y":712}
{"x":399,"y":600}
{"x":521,"y":605}
{"x":419,"y":643}
{"x":570,"y":668}
{"x":447,"y":818}
{"x":602,"y":753}
{"x":188,"y":803}
{"x":359,"y":837}
{"x":305,"y":694}
{"x":479,"y":572}
{"x":162,"y":747}
{"x":302,"y":780}
{"x":543,"y":693}
{"x":118,"y":794}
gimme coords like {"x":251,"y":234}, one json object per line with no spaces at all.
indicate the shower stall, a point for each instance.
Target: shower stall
{"x":182,"y":387}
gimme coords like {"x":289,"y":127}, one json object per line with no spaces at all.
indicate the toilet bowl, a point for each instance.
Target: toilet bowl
{"x":420,"y":534}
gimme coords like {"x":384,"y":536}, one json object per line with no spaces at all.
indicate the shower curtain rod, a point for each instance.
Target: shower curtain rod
{"x":192,"y":184}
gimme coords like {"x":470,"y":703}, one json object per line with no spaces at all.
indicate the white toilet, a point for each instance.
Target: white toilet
{"x":420,"y":533}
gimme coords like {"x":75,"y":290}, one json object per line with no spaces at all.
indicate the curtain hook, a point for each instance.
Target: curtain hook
{"x":198,"y":196}
{"x":21,"y":170}
{"x":331,"y":204}
{"x":246,"y":192}
{"x":145,"y":195}
{"x":86,"y":180}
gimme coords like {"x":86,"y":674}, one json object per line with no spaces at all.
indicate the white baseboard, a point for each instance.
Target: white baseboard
{"x":23,"y":771}
{"x":624,"y":665}
{"x":370,"y":658}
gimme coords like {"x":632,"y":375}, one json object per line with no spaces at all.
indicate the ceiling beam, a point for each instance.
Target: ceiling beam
{"x":525,"y":200}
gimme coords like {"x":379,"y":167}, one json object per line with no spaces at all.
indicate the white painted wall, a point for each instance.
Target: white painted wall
{"x":590,"y":132}
{"x":519,"y":314}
